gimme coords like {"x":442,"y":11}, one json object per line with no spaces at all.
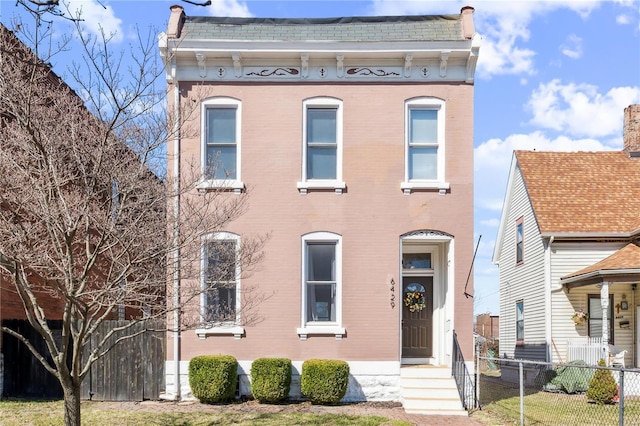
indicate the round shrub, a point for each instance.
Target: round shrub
{"x":213,"y":378}
{"x":271,"y":379}
{"x":324,"y":381}
{"x":602,"y":387}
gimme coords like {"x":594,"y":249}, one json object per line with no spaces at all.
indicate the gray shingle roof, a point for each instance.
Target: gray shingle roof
{"x":366,"y":29}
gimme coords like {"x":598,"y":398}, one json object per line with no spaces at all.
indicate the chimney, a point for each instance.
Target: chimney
{"x":468,"y":28}
{"x":631,"y":130}
{"x":176,"y":20}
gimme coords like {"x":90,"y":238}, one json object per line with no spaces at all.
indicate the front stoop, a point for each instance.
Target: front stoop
{"x":429,"y":389}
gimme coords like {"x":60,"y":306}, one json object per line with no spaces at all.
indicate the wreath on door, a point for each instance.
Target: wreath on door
{"x":415,"y":301}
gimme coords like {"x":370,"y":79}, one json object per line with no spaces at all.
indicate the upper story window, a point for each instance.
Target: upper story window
{"x":520,"y":321}
{"x":220,"y":301}
{"x":424,"y":145}
{"x":520,"y":240}
{"x":322,"y":145}
{"x":321,"y":285}
{"x":221,"y":144}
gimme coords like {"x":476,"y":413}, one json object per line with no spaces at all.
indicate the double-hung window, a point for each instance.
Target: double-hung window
{"x":322,"y":145}
{"x":520,"y":321}
{"x":221,"y":144}
{"x":424,"y":145}
{"x":321,"y":285}
{"x":220,"y":285}
{"x":519,"y":241}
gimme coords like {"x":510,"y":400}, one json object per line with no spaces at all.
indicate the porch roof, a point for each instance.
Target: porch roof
{"x":621,"y":266}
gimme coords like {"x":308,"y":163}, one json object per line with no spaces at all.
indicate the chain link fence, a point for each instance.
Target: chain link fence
{"x":540,"y":393}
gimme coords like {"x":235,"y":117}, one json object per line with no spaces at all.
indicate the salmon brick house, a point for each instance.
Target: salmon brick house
{"x":353,"y":139}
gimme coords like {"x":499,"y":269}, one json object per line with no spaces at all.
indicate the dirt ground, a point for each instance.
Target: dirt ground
{"x":391,"y":410}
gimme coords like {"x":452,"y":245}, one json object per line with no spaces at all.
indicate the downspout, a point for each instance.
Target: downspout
{"x":547,"y":299}
{"x":176,"y":232}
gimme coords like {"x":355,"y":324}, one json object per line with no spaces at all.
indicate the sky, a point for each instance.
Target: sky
{"x":552,"y":75}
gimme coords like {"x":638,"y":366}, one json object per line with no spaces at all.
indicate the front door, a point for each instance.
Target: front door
{"x":417,"y":317}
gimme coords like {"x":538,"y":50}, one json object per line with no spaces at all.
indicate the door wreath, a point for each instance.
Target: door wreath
{"x":415,"y":301}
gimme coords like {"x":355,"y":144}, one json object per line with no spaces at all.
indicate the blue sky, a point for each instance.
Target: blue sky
{"x":552,"y":75}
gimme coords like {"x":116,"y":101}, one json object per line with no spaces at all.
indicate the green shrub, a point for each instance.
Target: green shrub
{"x":213,"y":378}
{"x":602,"y":387}
{"x":324,"y":381}
{"x":271,"y":379}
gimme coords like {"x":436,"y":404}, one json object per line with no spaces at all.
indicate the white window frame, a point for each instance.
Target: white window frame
{"x":334,"y":328}
{"x":236,"y":185}
{"x":336,"y":184}
{"x":409,"y":185}
{"x":227,"y":328}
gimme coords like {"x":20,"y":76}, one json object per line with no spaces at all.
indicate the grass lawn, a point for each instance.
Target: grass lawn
{"x":501,"y":406}
{"x":47,"y":413}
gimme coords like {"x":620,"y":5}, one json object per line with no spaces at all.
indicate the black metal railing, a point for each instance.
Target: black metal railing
{"x":464,"y":380}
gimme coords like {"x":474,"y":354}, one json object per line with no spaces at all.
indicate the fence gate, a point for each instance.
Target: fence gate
{"x":133,"y":370}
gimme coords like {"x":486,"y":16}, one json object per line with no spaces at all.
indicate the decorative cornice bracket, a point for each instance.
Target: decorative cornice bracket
{"x":444,"y":57}
{"x":237,"y":65}
{"x":304,"y":58}
{"x":340,"y":66}
{"x":202,"y":65}
{"x":407,"y":64}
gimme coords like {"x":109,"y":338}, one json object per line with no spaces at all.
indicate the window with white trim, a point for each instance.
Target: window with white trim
{"x":321,"y":285}
{"x":221,"y":144}
{"x":424,"y":145}
{"x":322,"y":145}
{"x":520,"y":321}
{"x":220,"y":301}
{"x":520,"y":240}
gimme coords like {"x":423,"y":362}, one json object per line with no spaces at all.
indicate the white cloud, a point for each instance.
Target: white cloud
{"x":580,"y":109}
{"x":96,"y":17}
{"x":623,"y":19}
{"x":235,"y":8}
{"x":572,"y":47}
{"x":492,"y":223}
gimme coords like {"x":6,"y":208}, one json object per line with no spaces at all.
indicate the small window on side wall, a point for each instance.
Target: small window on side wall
{"x":520,"y":321}
{"x":520,"y":240}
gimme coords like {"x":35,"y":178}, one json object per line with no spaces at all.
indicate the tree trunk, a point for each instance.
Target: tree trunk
{"x":71,"y":404}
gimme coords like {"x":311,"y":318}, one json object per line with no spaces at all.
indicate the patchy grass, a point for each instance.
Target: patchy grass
{"x":501,"y":406}
{"x":49,"y":413}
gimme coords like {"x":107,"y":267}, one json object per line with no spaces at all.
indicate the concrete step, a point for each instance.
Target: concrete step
{"x":430,"y":390}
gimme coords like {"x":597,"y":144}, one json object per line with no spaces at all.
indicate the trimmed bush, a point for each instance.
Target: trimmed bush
{"x":213,"y":378}
{"x":324,"y":381}
{"x":602,"y":387}
{"x":271,"y":379}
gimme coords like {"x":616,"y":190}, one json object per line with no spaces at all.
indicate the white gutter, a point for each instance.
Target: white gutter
{"x":586,"y":235}
{"x":596,"y":274}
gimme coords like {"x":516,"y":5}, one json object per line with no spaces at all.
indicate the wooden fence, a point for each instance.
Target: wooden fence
{"x":132,"y":371}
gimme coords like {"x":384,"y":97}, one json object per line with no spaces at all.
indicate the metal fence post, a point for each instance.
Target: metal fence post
{"x":521,"y":373}
{"x":621,"y":399}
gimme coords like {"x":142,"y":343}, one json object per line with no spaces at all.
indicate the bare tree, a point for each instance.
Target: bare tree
{"x":87,"y":220}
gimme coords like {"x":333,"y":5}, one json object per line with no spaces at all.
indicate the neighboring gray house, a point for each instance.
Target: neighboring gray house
{"x":567,"y":248}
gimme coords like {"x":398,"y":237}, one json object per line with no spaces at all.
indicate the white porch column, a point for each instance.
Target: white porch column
{"x":604,"y":303}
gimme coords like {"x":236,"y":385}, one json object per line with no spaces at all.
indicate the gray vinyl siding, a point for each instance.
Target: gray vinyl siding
{"x":567,"y":258}
{"x":525,"y":281}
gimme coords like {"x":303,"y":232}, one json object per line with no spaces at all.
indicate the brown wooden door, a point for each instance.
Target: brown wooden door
{"x":417,"y":326}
